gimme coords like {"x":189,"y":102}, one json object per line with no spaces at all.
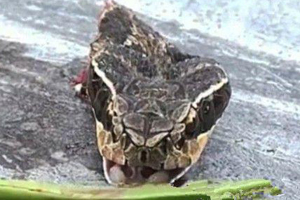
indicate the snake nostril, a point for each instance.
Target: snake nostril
{"x":180,"y":143}
{"x":128,"y":171}
{"x":147,"y":171}
{"x":143,"y":156}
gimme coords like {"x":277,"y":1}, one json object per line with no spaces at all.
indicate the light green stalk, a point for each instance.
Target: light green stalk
{"x":199,"y":190}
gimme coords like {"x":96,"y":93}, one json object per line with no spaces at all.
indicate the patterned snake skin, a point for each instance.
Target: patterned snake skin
{"x":154,"y":106}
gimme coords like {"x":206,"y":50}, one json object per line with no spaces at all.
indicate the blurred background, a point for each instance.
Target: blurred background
{"x":47,"y":134}
{"x":263,"y":26}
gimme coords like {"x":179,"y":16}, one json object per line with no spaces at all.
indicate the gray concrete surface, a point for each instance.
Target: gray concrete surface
{"x":47,"y":134}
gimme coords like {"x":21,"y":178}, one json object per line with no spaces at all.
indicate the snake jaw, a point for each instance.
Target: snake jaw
{"x":118,"y":171}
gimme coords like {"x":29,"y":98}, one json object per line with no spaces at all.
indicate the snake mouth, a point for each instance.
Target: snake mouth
{"x":121,"y":175}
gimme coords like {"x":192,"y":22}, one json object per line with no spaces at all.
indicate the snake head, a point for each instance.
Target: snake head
{"x":154,"y":106}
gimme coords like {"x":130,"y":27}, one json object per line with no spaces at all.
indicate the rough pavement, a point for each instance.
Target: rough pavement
{"x":46,"y":133}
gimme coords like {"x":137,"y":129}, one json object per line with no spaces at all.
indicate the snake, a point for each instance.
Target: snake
{"x":154,"y":106}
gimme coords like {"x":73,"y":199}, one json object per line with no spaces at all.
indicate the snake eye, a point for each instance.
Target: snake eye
{"x":221,"y":99}
{"x":200,"y":120}
{"x":102,"y":108}
{"x":207,"y":115}
{"x":100,"y":103}
{"x":206,"y":109}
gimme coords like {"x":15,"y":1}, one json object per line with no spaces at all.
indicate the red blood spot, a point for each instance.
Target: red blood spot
{"x":80,"y":78}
